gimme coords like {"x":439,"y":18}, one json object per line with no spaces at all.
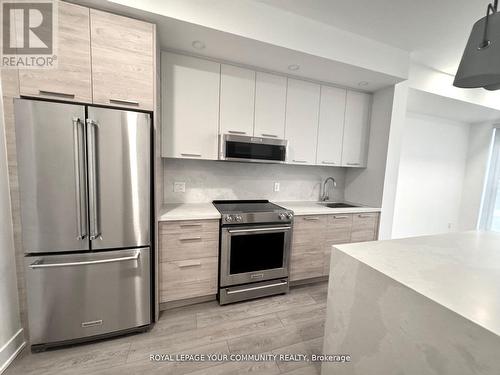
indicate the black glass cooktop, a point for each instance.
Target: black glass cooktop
{"x":245,"y":206}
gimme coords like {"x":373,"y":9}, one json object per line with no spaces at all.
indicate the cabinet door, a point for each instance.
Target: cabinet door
{"x":122,"y":61}
{"x":307,"y":255}
{"x":331,"y":126}
{"x":270,"y":102}
{"x":356,"y":129}
{"x":71,"y":80}
{"x":237,"y":100}
{"x":301,"y":128}
{"x":190,"y":107}
{"x":338,"y":231}
{"x":364,"y":227}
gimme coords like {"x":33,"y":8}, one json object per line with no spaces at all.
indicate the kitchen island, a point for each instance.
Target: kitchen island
{"x":422,"y":305}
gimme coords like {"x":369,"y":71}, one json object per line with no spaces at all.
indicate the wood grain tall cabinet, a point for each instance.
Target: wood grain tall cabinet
{"x":103,"y":59}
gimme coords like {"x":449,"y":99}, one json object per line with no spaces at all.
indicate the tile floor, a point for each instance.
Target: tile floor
{"x":291,"y":323}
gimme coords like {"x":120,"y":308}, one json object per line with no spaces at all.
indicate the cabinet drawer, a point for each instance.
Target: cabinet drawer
{"x":309,"y":223}
{"x":364,"y":227}
{"x":188,"y":279}
{"x":188,"y":246}
{"x":187,"y":227}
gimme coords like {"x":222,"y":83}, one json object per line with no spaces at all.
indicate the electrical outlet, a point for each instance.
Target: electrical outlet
{"x":179,"y":187}
{"x":276,"y":186}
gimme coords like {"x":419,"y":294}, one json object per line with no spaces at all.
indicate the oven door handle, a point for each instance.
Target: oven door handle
{"x":228,"y":291}
{"x":258,"y":230}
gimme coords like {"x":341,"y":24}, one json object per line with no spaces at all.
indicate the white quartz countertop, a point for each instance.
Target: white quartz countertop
{"x":460,"y":271}
{"x":313,"y":208}
{"x":200,"y":211}
{"x":188,"y":211}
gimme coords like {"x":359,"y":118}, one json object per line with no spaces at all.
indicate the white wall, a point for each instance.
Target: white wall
{"x":476,"y":172}
{"x":209,"y":180}
{"x":11,"y":333}
{"x":431,"y":176}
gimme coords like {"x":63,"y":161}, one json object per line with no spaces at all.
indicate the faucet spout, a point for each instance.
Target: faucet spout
{"x":324,"y":196}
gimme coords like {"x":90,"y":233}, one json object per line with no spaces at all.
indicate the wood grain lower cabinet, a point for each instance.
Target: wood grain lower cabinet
{"x":338,"y":231}
{"x":307,"y":254}
{"x":314,"y":236}
{"x":71,"y":80}
{"x":364,"y":227}
{"x":188,"y":259}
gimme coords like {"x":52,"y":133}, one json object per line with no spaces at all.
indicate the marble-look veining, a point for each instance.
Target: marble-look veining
{"x":188,"y":211}
{"x":210,"y":180}
{"x":423,"y":305}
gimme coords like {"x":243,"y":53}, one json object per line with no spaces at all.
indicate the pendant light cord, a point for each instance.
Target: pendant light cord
{"x":493,"y":8}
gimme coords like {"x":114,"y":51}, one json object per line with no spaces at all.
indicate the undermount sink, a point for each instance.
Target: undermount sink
{"x":338,"y":205}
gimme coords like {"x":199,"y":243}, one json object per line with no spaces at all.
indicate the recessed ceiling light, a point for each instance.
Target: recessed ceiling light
{"x":362,"y":83}
{"x":198,"y":44}
{"x":294,"y":67}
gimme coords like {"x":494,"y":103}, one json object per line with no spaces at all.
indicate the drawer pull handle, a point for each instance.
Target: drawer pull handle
{"x":269,"y":135}
{"x":299,"y":161}
{"x":55,"y":93}
{"x":38,"y":264}
{"x":192,"y":155}
{"x":236,"y":132}
{"x":122,"y":101}
{"x":190,"y":264}
{"x":364,"y":216}
{"x":311,"y":218}
{"x":341,"y":217}
{"x":190,"y":239}
{"x":353,"y":163}
{"x":229,"y":291}
{"x":328,"y":162}
{"x":190,"y":225}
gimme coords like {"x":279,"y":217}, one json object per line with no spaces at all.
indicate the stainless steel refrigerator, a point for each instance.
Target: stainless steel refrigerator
{"x":85,"y":195}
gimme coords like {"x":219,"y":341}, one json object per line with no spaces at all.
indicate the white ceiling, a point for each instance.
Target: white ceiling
{"x":448,"y":108}
{"x":435,"y":31}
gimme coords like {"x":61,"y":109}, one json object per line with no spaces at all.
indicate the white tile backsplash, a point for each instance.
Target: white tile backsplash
{"x":208,"y":180}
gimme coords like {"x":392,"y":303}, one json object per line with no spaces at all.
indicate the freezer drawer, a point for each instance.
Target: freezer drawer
{"x":76,"y":296}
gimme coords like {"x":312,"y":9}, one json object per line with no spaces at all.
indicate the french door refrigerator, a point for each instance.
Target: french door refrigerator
{"x":85,"y":195}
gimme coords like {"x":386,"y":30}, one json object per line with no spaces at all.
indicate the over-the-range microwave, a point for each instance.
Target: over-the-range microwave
{"x":252,"y":149}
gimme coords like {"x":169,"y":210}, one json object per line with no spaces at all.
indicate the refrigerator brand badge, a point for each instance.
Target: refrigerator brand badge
{"x":29,"y":34}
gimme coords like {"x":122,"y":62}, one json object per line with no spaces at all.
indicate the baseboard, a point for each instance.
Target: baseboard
{"x":313,"y":280}
{"x":11,"y":349}
{"x":186,"y":302}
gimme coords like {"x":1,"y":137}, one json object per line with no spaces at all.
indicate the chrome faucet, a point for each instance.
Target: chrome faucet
{"x":324,"y":196}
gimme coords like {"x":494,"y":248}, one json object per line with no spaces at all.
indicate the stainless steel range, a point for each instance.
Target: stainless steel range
{"x":255,"y":238}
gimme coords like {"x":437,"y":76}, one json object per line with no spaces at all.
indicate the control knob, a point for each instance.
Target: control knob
{"x":289,"y":215}
{"x":282,"y":216}
{"x":228,"y":219}
{"x":238,"y":218}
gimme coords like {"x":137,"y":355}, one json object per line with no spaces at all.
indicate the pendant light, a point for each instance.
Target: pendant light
{"x":480,"y":64}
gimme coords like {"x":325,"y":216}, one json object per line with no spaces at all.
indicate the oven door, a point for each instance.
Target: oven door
{"x":254,"y":253}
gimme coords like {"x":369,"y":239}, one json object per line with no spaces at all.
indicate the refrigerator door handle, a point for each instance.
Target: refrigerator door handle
{"x":37,"y":263}
{"x":93,"y":183}
{"x":79,"y":170}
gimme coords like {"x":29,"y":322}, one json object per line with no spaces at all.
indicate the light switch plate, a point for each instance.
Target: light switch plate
{"x":179,"y":187}
{"x":276,"y":186}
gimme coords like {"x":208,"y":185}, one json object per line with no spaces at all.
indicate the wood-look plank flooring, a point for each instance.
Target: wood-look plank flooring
{"x":291,"y":323}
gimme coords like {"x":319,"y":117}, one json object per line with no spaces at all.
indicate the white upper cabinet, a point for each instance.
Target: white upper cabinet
{"x":331,"y":126}
{"x":270,"y":102}
{"x":237,"y":100}
{"x":190,"y":107}
{"x":356,"y":129}
{"x":301,"y":128}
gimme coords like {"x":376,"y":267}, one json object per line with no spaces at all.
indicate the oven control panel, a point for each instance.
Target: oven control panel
{"x":260,"y":217}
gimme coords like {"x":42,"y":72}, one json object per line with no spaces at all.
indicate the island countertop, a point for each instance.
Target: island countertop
{"x":460,"y":271}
